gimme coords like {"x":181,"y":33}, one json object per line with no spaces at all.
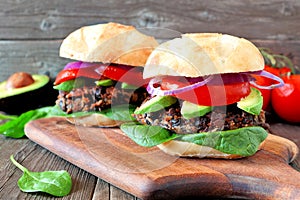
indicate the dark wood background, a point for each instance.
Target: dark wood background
{"x":31,"y":30}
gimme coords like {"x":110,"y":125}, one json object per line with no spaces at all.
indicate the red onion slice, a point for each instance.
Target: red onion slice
{"x":242,"y":77}
{"x":159,"y":92}
{"x":270,"y":76}
{"x":79,"y":65}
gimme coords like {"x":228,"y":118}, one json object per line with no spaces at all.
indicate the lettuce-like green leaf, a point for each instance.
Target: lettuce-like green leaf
{"x":243,"y":141}
{"x":147,"y":136}
{"x":15,"y":127}
{"x":56,"y":183}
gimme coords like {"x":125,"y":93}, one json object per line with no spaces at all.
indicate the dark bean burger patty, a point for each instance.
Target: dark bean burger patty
{"x":221,"y":118}
{"x":98,"y":98}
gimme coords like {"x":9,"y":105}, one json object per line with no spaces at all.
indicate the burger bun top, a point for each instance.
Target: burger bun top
{"x":108,"y":43}
{"x":202,"y":54}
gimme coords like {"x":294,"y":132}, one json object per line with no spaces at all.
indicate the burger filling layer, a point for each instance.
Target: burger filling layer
{"x":98,"y":98}
{"x":220,"y":118}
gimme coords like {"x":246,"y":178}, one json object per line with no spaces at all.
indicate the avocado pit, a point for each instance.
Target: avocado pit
{"x":18,"y":80}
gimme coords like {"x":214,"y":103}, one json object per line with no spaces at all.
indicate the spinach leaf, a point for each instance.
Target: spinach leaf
{"x":147,"y":136}
{"x":15,"y":127}
{"x":120,"y":112}
{"x":56,"y":183}
{"x":243,"y":141}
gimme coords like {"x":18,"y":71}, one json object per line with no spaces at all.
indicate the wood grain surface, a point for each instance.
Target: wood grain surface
{"x":271,"y":19}
{"x":152,"y":174}
{"x":31,"y":31}
{"x":41,"y":57}
{"x":37,"y":158}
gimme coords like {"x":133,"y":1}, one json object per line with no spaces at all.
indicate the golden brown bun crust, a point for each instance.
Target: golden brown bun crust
{"x":185,"y":149}
{"x":108,"y":43}
{"x":200,"y":54}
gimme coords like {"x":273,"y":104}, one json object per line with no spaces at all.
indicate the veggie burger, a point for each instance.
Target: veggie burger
{"x":203,"y":99}
{"x":108,"y":61}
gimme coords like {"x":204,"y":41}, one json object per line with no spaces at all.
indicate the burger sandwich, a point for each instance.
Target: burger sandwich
{"x":204,"y":100}
{"x":106,"y":69}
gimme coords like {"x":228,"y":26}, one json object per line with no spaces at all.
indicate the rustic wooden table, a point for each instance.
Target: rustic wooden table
{"x":85,"y":185}
{"x":31,"y":33}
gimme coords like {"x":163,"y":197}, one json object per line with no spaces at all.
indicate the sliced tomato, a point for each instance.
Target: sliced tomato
{"x":209,"y":95}
{"x":122,"y":73}
{"x":70,"y":74}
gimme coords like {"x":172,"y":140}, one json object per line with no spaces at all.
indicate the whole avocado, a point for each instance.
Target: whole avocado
{"x":22,"y":92}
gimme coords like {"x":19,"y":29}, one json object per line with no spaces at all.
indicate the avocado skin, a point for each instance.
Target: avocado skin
{"x":17,"y":104}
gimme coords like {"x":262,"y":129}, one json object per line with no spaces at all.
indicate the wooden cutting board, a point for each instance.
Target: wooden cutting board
{"x":148,"y":173}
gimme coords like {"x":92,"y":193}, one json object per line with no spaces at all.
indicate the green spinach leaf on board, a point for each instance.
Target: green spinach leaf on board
{"x":56,"y":183}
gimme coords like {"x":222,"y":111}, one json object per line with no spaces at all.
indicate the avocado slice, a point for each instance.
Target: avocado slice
{"x":105,"y":82}
{"x":190,"y":110}
{"x":155,"y":104}
{"x":252,"y":103}
{"x":40,"y":93}
{"x":128,"y":86}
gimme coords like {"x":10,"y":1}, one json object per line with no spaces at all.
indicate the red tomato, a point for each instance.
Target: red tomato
{"x":284,"y":71}
{"x":210,"y":95}
{"x":122,"y":73}
{"x":285,"y":99}
{"x":280,"y":72}
{"x":272,"y":70}
{"x":70,"y":74}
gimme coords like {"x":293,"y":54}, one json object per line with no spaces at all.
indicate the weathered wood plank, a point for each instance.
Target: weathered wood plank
{"x":102,"y":190}
{"x":283,"y":47}
{"x":118,"y":194}
{"x":37,"y":158}
{"x":31,"y":56}
{"x":290,"y":132}
{"x":42,"y":56}
{"x":8,"y":146}
{"x":272,"y":19}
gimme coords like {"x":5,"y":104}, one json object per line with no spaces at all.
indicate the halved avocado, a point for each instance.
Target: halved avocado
{"x":18,"y":100}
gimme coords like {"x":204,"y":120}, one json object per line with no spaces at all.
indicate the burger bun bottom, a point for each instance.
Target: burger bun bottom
{"x":186,"y":149}
{"x":94,"y":120}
